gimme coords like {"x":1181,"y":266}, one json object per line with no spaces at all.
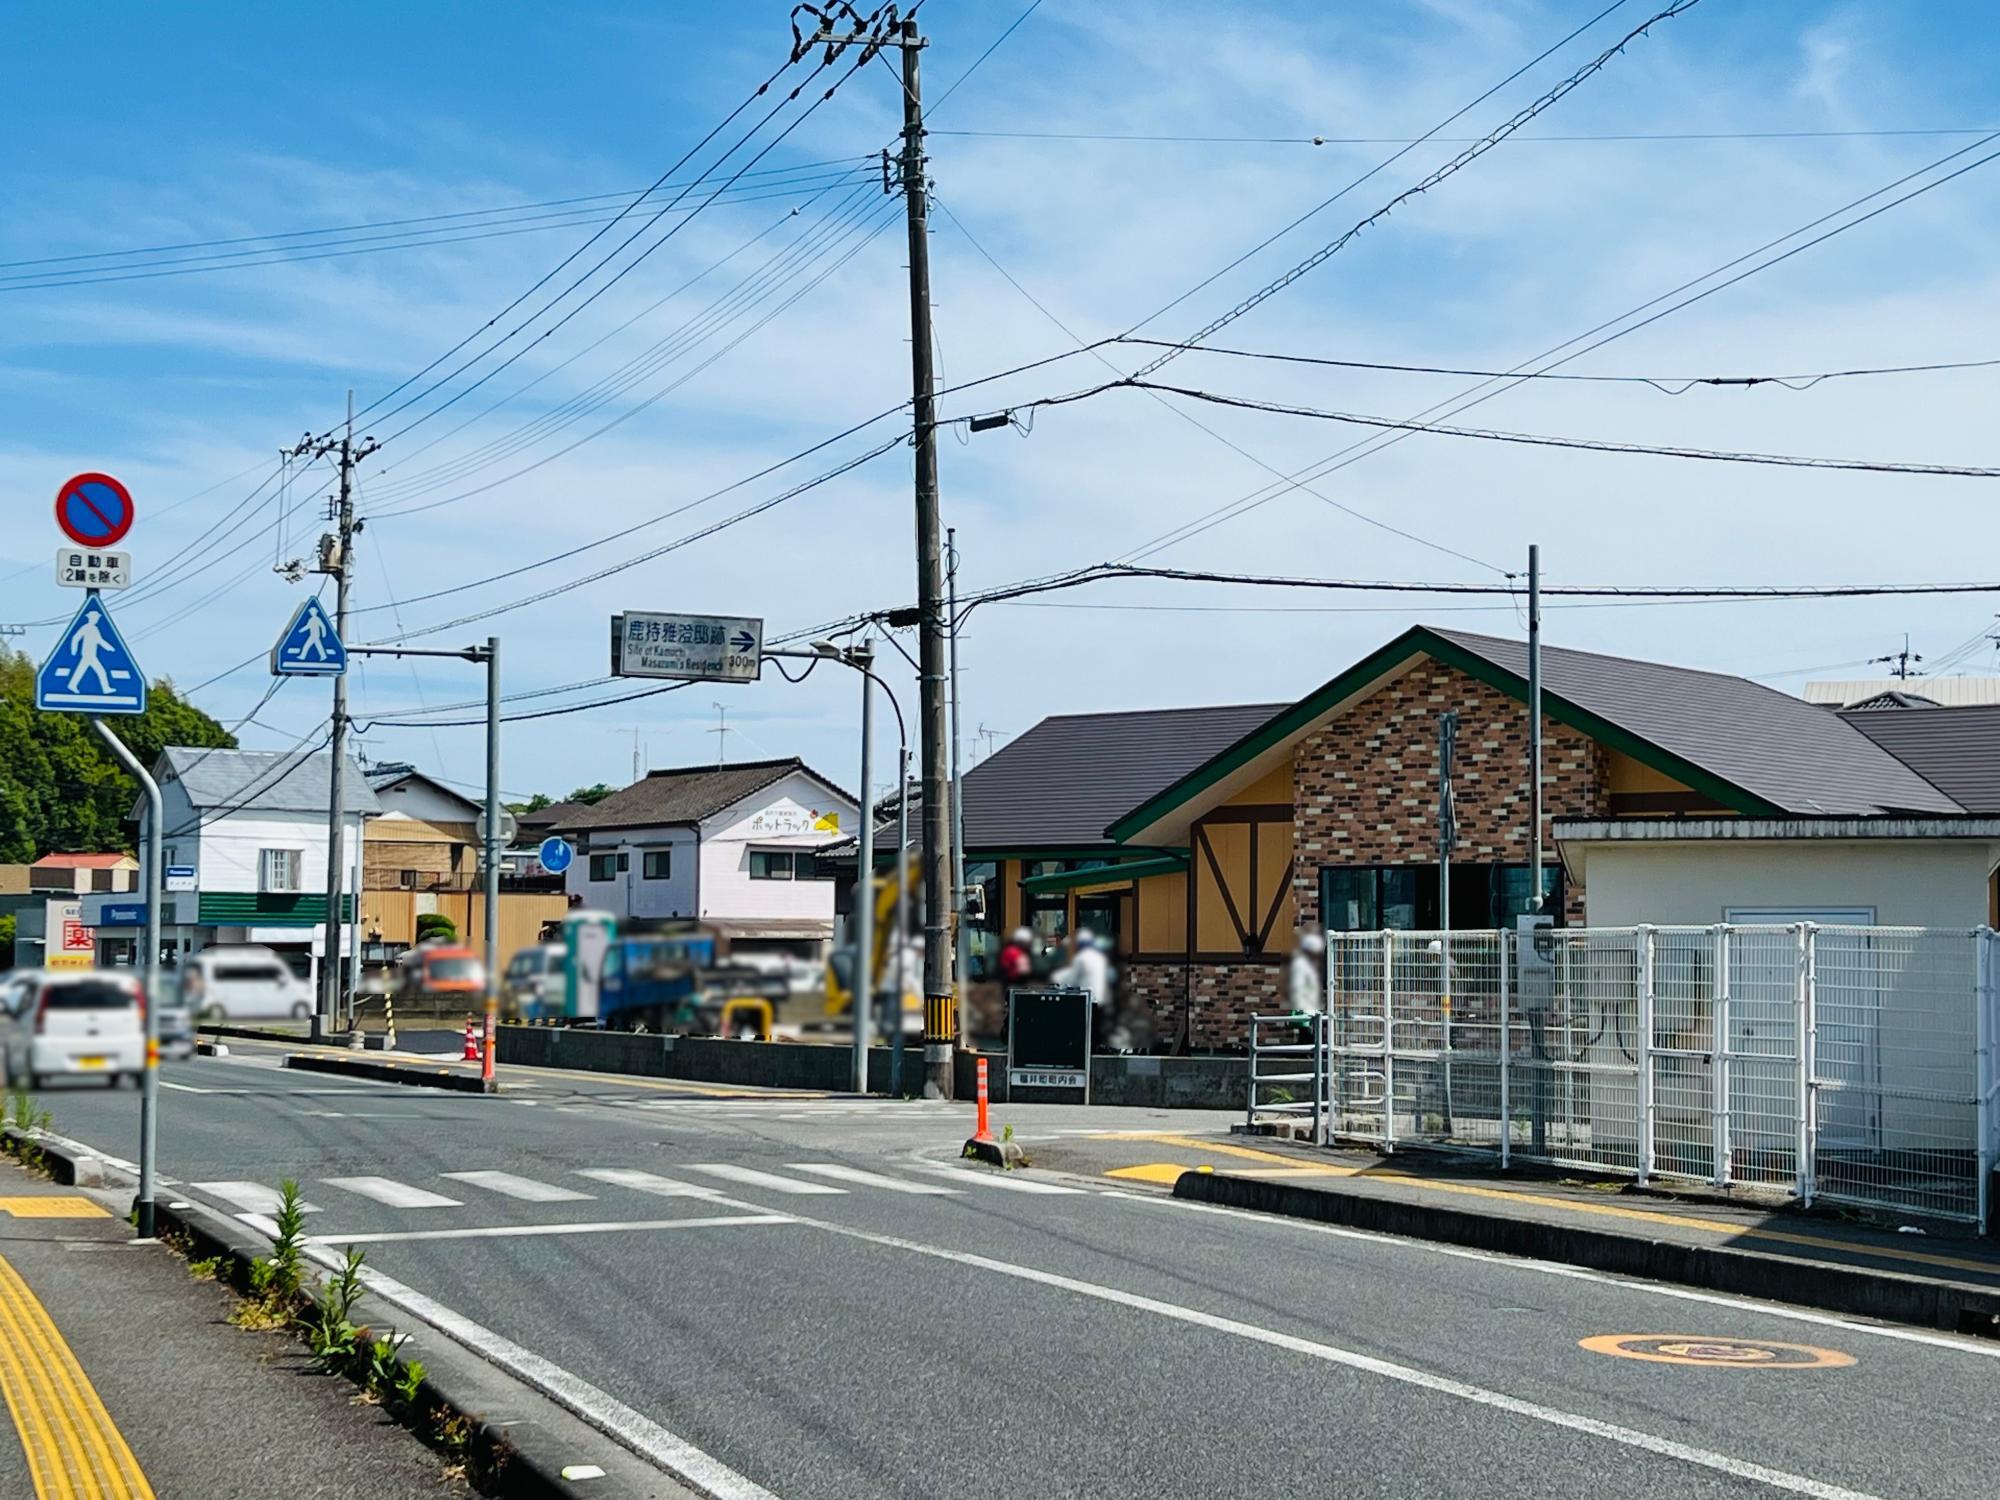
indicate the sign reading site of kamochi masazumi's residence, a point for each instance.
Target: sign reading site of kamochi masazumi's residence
{"x":695,"y":648}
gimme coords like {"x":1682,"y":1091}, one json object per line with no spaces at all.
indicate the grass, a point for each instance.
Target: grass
{"x":25,"y":1117}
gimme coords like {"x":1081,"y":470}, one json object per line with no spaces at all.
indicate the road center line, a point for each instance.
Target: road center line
{"x":1722,"y":1463}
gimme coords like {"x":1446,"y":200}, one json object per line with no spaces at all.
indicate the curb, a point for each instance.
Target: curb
{"x":1892,"y":1296}
{"x":520,"y":1439}
{"x":1003,"y":1154}
{"x":387,"y":1072}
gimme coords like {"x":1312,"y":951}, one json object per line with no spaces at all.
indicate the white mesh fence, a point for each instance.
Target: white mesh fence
{"x":1847,"y":1063}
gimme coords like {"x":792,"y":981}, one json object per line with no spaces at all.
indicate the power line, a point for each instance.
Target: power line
{"x":1594,"y":445}
{"x":546,"y":713}
{"x":1459,"y":140}
{"x":991,"y":48}
{"x":1672,"y":385}
{"x":1437,"y":175}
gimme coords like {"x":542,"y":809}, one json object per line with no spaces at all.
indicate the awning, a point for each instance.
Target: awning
{"x":1113,"y":874}
{"x":792,"y":928}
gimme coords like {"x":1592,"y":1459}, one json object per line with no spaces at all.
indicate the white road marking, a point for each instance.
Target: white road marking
{"x":1444,"y":1385}
{"x":709,"y":1476}
{"x":252,"y":1197}
{"x":526,"y":1231}
{"x":525,"y":1188}
{"x":840,"y":1173}
{"x":395,"y":1194}
{"x":1012,"y":1181}
{"x":770,"y":1181}
{"x":646,"y":1182}
{"x":188,"y":1088}
{"x":1985,"y":1349}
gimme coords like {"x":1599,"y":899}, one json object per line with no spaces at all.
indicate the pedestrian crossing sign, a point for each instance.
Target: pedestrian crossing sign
{"x":91,"y":671}
{"x":309,"y":647}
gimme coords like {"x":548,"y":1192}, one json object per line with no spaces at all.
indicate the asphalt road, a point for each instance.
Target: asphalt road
{"x":870,"y":1339}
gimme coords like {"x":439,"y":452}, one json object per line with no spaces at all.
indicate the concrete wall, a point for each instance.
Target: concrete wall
{"x":1907,"y":883}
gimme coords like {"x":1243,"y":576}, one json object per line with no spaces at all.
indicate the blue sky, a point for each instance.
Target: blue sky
{"x":155,"y":126}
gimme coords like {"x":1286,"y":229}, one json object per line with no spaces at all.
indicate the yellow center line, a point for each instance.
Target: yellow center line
{"x":74,"y":1449}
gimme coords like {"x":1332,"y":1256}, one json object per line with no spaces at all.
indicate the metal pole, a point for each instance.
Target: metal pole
{"x":938,"y":1030}
{"x":149,"y":877}
{"x":1646,"y":1109}
{"x":862,"y":987}
{"x":961,"y":969}
{"x":902,"y":910}
{"x":336,"y":812}
{"x":492,"y":858}
{"x":1447,"y":836}
{"x":359,"y":869}
{"x":1535,"y":726}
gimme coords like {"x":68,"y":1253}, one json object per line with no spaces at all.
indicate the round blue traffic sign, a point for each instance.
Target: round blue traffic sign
{"x":555,"y":855}
{"x":94,"y":510}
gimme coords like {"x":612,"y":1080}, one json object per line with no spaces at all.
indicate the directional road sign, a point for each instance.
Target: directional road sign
{"x":309,"y":647}
{"x":697,"y":648}
{"x":555,"y":855}
{"x":94,"y":510}
{"x":91,"y":671}
{"x":89,"y":568}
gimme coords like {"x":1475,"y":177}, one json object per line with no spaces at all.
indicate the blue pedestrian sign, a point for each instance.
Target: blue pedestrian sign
{"x":309,"y":647}
{"x":91,"y":671}
{"x":555,"y":855}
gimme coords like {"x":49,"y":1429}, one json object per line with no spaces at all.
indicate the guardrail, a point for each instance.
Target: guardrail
{"x":1295,"y":1045}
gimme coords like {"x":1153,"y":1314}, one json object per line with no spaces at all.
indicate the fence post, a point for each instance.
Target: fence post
{"x":1803,"y":1046}
{"x":1506,"y":1058}
{"x":1322,"y":1103}
{"x":1250,"y":1113}
{"x":1984,"y":1006}
{"x":1645,"y":1111}
{"x":1718,"y":1066}
{"x":1388,"y":1040}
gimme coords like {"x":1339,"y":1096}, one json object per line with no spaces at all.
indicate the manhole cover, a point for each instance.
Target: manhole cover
{"x":1700,"y":1349}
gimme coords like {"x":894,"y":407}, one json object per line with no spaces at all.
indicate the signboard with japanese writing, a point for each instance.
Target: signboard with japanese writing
{"x":1048,"y":1042}
{"x":68,"y":943}
{"x":695,"y":648}
{"x":788,"y":817}
{"x":85,"y":568}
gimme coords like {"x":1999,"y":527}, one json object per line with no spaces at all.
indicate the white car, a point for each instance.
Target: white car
{"x":239,"y":982}
{"x":72,"y":1023}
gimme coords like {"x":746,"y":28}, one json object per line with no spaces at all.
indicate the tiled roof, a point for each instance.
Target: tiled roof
{"x":224,"y":781}
{"x":1957,"y":750}
{"x":686,"y":794}
{"x":85,"y":861}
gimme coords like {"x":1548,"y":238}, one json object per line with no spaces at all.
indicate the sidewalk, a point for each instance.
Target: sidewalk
{"x":123,"y":1376}
{"x":1938,"y":1279}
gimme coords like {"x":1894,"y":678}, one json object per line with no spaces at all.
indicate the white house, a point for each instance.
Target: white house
{"x":252,"y":827}
{"x":734,"y":846}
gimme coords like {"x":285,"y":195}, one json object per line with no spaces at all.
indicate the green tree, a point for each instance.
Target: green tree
{"x":588,"y":795}
{"x":60,"y":786}
{"x":434,"y":924}
{"x":533,"y":805}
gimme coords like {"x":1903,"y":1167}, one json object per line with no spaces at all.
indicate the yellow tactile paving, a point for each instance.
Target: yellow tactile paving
{"x":52,"y":1206}
{"x":74,"y":1449}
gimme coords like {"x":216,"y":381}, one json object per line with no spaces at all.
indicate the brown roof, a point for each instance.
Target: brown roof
{"x":1957,"y":750}
{"x":687,"y":794}
{"x":86,"y":861}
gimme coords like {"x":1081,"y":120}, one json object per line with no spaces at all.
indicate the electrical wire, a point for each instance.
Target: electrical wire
{"x":546,"y":713}
{"x":991,"y":47}
{"x":1672,"y":385}
{"x":1593,"y":445}
{"x":1457,"y":140}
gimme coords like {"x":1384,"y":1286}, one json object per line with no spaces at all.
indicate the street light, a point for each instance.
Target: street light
{"x":861,"y":659}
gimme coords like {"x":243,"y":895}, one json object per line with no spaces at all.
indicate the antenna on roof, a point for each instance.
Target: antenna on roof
{"x":1898,"y":662}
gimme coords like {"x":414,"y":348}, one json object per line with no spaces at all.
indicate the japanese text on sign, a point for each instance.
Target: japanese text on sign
{"x":717,"y":648}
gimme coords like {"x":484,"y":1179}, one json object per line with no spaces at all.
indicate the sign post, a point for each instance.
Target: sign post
{"x":694,"y":648}
{"x":1048,"y":1045}
{"x":91,"y":671}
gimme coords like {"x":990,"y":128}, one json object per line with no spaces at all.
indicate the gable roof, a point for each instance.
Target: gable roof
{"x":1753,"y":749}
{"x":1957,"y":750}
{"x":1062,"y":781}
{"x":552,"y":816}
{"x":85,"y":862}
{"x":226,"y":781}
{"x":688,"y":794}
{"x":386,"y":775}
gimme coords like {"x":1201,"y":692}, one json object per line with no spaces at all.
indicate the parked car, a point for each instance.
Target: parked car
{"x":532,"y":987}
{"x":239,"y":982}
{"x":72,"y":1023}
{"x":439,"y":970}
{"x":176,"y":1020}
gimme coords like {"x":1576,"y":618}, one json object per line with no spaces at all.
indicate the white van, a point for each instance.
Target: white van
{"x":237,"y":982}
{"x":72,"y":1023}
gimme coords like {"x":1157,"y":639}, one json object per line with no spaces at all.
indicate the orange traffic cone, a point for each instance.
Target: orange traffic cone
{"x":471,"y":1040}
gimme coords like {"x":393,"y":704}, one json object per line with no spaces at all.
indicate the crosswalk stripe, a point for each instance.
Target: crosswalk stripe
{"x":395,"y":1194}
{"x":842,"y":1173}
{"x":1011,"y":1182}
{"x":525,"y":1188}
{"x":251,"y":1197}
{"x":646,"y":1182}
{"x":770,"y":1181}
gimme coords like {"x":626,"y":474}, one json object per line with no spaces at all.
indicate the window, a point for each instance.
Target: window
{"x":1366,"y":898}
{"x":409,"y":879}
{"x":658,"y":864}
{"x":805,"y":866}
{"x":280,"y":868}
{"x":101,"y":880}
{"x":770,"y":864}
{"x":604,"y":866}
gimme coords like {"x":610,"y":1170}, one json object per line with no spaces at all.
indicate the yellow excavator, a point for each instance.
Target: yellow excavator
{"x":840,"y":963}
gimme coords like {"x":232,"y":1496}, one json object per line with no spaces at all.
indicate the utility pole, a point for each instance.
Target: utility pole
{"x":1447,"y":840}
{"x":1899,"y":662}
{"x":1534,"y":727}
{"x":721,"y":732}
{"x":939,"y":1027}
{"x":336,"y":556}
{"x":961,"y":967}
